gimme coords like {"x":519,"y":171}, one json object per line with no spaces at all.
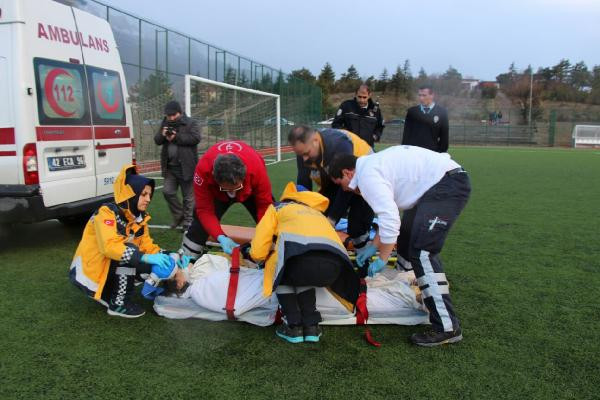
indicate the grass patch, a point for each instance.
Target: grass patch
{"x":522,"y":261}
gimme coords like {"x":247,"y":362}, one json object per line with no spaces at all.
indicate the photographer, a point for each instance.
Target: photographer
{"x":179,"y":136}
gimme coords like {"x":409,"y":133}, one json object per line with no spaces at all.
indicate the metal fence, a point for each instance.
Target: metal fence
{"x":155,"y":60}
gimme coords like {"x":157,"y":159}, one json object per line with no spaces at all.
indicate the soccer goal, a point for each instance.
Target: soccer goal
{"x":586,"y":136}
{"x":230,"y":112}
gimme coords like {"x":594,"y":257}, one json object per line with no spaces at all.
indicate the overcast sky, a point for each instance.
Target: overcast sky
{"x":479,"y":38}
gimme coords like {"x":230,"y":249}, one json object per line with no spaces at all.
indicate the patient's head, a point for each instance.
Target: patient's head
{"x":178,"y":284}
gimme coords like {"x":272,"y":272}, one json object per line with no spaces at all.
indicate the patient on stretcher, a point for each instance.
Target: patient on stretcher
{"x":200,"y":291}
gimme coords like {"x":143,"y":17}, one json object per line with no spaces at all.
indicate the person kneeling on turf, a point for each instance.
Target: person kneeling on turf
{"x":116,"y":246}
{"x":307,"y":253}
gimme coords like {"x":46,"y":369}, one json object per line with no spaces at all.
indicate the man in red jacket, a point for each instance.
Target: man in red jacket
{"x":229,"y":172}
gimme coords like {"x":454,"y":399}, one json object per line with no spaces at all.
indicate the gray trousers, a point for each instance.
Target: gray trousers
{"x":181,"y":212}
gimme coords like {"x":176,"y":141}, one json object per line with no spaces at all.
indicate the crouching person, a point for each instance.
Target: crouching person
{"x":116,"y":246}
{"x":307,"y":253}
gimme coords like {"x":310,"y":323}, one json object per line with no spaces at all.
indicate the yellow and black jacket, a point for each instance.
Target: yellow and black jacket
{"x":297,"y":225}
{"x":113,"y":233}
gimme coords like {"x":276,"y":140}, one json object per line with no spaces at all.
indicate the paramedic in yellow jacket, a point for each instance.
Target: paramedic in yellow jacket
{"x":315,"y":150}
{"x":307,"y":253}
{"x":116,"y":245}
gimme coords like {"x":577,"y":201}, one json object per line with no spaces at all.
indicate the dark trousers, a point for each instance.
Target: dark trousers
{"x":194,"y":239}
{"x":119,"y":284}
{"x":296,"y":291}
{"x":424,"y":229}
{"x":181,"y":212}
{"x":360,"y":215}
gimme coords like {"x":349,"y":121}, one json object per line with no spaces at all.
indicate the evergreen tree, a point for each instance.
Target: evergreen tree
{"x":304,"y":74}
{"x":382,"y":83}
{"x":326,"y":79}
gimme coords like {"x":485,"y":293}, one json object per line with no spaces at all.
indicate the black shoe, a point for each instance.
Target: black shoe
{"x":127,"y":310}
{"x":312,"y":333}
{"x":291,"y":334}
{"x":432,"y":338}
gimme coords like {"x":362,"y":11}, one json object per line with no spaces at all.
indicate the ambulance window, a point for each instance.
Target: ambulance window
{"x":61,"y":93}
{"x":107,"y":98}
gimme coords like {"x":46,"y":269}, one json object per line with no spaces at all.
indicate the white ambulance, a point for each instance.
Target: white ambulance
{"x":65,"y":127}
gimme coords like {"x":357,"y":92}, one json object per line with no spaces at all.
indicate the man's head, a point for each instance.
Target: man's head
{"x":363,"y":94}
{"x":341,"y":170}
{"x":173,"y":110}
{"x":305,"y":142}
{"x":425,"y":95}
{"x":229,"y":172}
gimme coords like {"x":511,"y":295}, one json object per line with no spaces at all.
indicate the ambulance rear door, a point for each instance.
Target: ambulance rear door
{"x":110,"y":114}
{"x":63,"y":133}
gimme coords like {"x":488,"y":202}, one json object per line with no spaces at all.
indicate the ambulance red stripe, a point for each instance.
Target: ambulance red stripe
{"x":7,"y":135}
{"x":53,"y":133}
{"x":7,"y":153}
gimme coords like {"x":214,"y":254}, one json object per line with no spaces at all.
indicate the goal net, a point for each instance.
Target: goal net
{"x":586,"y":136}
{"x":229,"y":112}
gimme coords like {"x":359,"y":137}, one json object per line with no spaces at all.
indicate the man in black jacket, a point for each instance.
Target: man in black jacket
{"x":426,"y":125}
{"x":361,"y":116}
{"x":179,"y":136}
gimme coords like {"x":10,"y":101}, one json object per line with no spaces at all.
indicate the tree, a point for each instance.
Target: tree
{"x":156,"y":84}
{"x":326,"y":79}
{"x":562,"y":70}
{"x":519,"y":91}
{"x":580,"y":76}
{"x":595,"y":82}
{"x":382,"y":83}
{"x":326,"y":82}
{"x":349,"y":81}
{"x":450,"y":82}
{"x":304,"y":74}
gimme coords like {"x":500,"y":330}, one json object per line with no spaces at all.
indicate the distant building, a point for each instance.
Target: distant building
{"x":484,"y":84}
{"x":469,"y":84}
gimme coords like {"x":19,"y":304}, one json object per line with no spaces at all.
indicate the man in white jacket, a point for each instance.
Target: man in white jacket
{"x":433,"y":189}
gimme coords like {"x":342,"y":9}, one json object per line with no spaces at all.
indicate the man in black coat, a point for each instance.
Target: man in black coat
{"x":179,"y":136}
{"x":426,"y":125}
{"x":361,"y":116}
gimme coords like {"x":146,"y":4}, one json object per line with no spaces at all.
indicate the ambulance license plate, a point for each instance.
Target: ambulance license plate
{"x":65,"y":162}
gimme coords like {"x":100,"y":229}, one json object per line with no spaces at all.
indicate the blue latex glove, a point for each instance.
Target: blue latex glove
{"x":365,"y":253}
{"x":227,"y":244}
{"x":184,"y":261}
{"x":157,"y":259}
{"x":376,"y":266}
{"x":164,"y":272}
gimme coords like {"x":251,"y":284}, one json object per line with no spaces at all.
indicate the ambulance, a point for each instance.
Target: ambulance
{"x":65,"y":126}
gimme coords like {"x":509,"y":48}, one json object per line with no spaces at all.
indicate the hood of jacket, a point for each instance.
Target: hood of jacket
{"x":312,"y":199}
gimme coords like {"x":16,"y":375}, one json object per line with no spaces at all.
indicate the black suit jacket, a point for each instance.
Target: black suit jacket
{"x":427,"y":130}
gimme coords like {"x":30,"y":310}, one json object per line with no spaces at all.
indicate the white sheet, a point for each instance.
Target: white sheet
{"x":390,"y":299}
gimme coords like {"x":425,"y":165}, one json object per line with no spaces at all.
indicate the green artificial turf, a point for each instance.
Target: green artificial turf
{"x":523,"y":264}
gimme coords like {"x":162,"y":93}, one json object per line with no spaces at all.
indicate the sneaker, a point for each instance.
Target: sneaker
{"x":312,"y":333}
{"x":292,"y":335}
{"x":128,"y":310}
{"x":432,"y":338}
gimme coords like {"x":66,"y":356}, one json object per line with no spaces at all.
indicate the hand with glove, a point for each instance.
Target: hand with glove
{"x":376,"y":266}
{"x":159,"y":272}
{"x":227,"y":244}
{"x":157,"y":259}
{"x":364,"y":254}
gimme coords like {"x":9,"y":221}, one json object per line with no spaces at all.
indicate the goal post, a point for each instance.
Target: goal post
{"x":226,"y":111}
{"x":586,"y":136}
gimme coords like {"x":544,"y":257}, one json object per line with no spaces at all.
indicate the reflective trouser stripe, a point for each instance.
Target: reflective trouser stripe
{"x":300,"y":289}
{"x":442,"y":289}
{"x":191,"y":248}
{"x":434,"y":291}
{"x":125,"y":271}
{"x":285,"y":289}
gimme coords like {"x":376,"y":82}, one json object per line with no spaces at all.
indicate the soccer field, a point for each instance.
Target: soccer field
{"x":523,"y":265}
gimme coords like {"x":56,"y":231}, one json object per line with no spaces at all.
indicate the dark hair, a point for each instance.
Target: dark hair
{"x":300,"y":134}
{"x":341,"y":161}
{"x":229,"y":168}
{"x":170,"y":286}
{"x":364,"y":86}
{"x":426,"y":86}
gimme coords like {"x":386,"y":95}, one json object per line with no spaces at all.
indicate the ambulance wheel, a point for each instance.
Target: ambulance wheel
{"x":75,"y":220}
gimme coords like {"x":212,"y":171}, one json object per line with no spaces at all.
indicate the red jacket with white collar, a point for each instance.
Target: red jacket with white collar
{"x":206,"y":190}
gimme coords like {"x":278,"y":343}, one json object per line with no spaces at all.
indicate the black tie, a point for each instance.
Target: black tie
{"x":426,"y":110}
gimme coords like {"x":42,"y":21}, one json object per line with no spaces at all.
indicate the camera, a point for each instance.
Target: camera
{"x":171,"y":127}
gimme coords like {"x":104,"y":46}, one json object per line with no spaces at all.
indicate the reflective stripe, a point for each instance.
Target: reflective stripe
{"x":285,"y":289}
{"x":436,"y":277}
{"x":434,"y":291}
{"x":191,"y":248}
{"x":125,"y":271}
{"x":81,"y":278}
{"x":442,"y":289}
{"x":300,"y":289}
